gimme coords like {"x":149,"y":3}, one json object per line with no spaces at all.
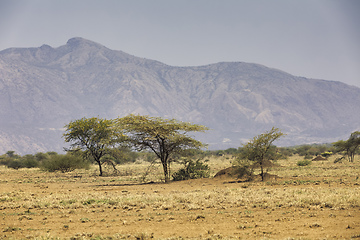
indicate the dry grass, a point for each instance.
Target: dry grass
{"x":318,"y":169}
{"x":57,"y":202}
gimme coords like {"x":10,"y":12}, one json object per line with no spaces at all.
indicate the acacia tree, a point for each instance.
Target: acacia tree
{"x":350,"y":146}
{"x":161,"y":136}
{"x":94,"y":136}
{"x":260,"y":150}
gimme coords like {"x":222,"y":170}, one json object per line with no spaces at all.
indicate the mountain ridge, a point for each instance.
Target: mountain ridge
{"x":44,"y":88}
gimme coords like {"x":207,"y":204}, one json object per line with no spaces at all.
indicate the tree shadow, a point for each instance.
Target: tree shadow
{"x":129,"y":184}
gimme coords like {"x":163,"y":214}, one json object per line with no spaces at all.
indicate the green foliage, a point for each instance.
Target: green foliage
{"x":304,"y":162}
{"x":29,"y":161}
{"x":148,"y":156}
{"x":326,"y":154}
{"x":123,"y":155}
{"x":232,"y":151}
{"x":285,"y":152}
{"x":95,"y":136}
{"x":219,"y":153}
{"x":15,"y":164}
{"x":349,"y":147}
{"x":51,"y":153}
{"x":15,"y":161}
{"x":4,"y":160}
{"x":64,"y":163}
{"x":303,"y":150}
{"x":311,"y":150}
{"x":11,"y":154}
{"x":259,"y":150}
{"x":8,"y":159}
{"x":192,"y":170}
{"x":244,"y":168}
{"x":229,"y":151}
{"x":41,"y":156}
{"x":162,"y":136}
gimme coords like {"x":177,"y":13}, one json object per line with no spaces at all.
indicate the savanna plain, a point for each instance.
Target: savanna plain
{"x":317,"y":201}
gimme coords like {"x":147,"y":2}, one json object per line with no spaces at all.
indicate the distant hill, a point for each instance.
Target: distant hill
{"x":42,"y":89}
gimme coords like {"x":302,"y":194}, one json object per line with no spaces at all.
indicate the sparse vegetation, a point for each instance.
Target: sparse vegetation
{"x":46,"y":161}
{"x":258,"y":151}
{"x":64,"y":163}
{"x":36,"y":204}
{"x":349,"y":147}
{"x":304,"y":162}
{"x":94,"y":136}
{"x":69,"y":198}
{"x":192,"y":170}
{"x":163,"y":137}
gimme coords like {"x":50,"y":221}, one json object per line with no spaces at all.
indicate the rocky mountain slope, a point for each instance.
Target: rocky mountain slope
{"x":42,"y":89}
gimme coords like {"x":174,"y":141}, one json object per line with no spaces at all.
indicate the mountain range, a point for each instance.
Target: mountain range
{"x":42,"y":89}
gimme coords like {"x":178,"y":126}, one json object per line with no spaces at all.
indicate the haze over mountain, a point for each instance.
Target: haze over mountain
{"x":42,"y":89}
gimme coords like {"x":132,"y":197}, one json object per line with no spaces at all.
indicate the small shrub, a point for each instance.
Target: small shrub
{"x":304,"y":162}
{"x":326,"y":154}
{"x":243,"y":168}
{"x":84,"y":220}
{"x":192,"y":170}
{"x":64,"y":163}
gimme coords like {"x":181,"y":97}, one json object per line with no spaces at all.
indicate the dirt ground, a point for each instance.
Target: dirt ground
{"x":39,"y":205}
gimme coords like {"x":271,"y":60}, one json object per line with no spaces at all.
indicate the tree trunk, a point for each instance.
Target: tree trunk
{"x":167,"y":178}
{"x":166,"y":173}
{"x":262,"y":171}
{"x":100,"y":167}
{"x":166,"y":170}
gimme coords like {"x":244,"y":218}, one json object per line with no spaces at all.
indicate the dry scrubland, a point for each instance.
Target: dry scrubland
{"x":320,"y":201}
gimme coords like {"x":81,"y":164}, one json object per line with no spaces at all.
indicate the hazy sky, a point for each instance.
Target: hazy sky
{"x":309,"y":38}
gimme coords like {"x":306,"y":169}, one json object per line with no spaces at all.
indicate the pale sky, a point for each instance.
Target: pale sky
{"x":309,"y":38}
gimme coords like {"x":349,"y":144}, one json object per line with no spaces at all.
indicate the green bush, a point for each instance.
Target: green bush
{"x":312,"y":150}
{"x":8,"y":158}
{"x":29,"y":161}
{"x":15,"y":164}
{"x":22,"y":163}
{"x":304,"y":162}
{"x":285,"y":152}
{"x":41,"y":156}
{"x":12,"y":160}
{"x":326,"y":154}
{"x":64,"y":163}
{"x":192,"y":170}
{"x":5,"y":160}
{"x":123,"y":155}
{"x":231,"y":151}
{"x":243,"y":168}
